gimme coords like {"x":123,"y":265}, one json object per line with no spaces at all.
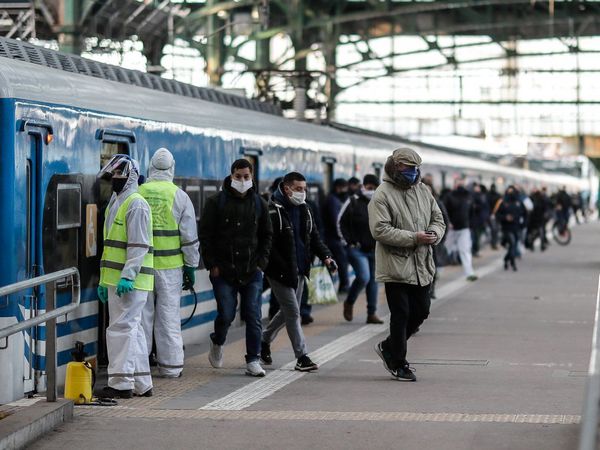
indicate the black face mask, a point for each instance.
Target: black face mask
{"x":118,"y":184}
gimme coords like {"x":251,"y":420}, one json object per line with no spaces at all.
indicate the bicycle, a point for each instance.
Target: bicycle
{"x":560,"y":229}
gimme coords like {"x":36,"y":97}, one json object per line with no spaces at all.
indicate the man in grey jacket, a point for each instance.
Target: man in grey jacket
{"x":406,"y":221}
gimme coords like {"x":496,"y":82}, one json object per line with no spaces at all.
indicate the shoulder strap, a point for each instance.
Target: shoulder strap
{"x":257,"y":206}
{"x":221,"y":200}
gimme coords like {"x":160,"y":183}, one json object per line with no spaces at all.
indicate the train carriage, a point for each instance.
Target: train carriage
{"x":57,"y":128}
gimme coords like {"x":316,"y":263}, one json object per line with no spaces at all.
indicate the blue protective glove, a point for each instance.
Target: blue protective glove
{"x":102,"y":294}
{"x":189,"y":277}
{"x":124,"y":286}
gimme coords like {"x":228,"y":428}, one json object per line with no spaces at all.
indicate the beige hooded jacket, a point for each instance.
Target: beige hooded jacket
{"x":396,"y":212}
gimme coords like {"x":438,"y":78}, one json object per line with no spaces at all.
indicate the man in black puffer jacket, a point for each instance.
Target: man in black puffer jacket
{"x":295,"y":239}
{"x":354,"y":231}
{"x":235,"y":238}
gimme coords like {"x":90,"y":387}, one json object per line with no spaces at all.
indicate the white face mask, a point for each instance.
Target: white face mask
{"x":367,"y":194}
{"x":297,"y":198}
{"x":241,"y":185}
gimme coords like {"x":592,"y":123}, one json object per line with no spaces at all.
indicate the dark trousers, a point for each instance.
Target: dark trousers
{"x":226,"y":296}
{"x":409,"y":307}
{"x":341,"y":258}
{"x":511,"y":239}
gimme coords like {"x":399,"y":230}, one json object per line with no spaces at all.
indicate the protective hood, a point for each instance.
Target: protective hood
{"x":132,"y":179}
{"x":123,"y":164}
{"x":393,"y":174}
{"x":162,"y":166}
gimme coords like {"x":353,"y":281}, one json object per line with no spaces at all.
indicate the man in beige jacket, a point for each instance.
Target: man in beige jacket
{"x":406,"y":221}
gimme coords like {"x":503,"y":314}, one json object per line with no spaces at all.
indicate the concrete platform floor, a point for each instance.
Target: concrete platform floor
{"x":501,"y":364}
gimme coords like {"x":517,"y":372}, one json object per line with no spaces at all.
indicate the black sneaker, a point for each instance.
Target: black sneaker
{"x":305,"y":364}
{"x":148,"y":393}
{"x":385,"y":357}
{"x":109,"y":392}
{"x":404,"y":373}
{"x":265,"y":354}
{"x":307,"y":320}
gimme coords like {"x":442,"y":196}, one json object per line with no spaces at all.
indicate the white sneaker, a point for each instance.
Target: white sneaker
{"x":215,"y":355}
{"x":254,"y":369}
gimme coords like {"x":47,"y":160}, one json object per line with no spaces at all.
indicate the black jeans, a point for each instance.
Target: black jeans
{"x":409,"y":307}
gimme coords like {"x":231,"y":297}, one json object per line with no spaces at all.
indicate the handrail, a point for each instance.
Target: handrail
{"x":588,"y":437}
{"x":48,"y":316}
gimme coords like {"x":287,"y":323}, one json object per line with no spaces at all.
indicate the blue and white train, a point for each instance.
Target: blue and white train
{"x":62,"y":117}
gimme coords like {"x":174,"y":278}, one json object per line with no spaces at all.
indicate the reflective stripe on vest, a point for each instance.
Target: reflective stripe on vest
{"x":114,"y":254}
{"x":160,"y":195}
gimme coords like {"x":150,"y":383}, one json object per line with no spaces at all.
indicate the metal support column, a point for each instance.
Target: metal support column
{"x":69,"y":39}
{"x":215,"y":47}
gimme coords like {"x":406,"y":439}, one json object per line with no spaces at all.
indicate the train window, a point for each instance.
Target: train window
{"x":68,"y":206}
{"x":377,"y":169}
{"x":196,"y":198}
{"x":313,"y":194}
{"x":110,"y":149}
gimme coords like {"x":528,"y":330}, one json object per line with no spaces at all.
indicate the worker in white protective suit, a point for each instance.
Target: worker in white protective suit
{"x":176,"y":258}
{"x":126,"y":278}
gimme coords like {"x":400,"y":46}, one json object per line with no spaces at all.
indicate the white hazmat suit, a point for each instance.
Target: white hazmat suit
{"x":128,"y":367}
{"x":162,"y":311}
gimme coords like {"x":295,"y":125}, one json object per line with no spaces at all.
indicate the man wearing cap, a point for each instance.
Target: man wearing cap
{"x":353,"y":227}
{"x":176,"y":258}
{"x":405,"y":221}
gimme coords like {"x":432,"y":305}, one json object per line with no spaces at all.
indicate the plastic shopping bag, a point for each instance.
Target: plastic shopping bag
{"x":321,"y":290}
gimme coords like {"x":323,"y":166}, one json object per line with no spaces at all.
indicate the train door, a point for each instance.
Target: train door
{"x":32,"y":301}
{"x":328,"y":173}
{"x":112,"y":142}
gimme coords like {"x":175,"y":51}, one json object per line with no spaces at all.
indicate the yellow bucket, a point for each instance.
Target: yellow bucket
{"x":78,"y":382}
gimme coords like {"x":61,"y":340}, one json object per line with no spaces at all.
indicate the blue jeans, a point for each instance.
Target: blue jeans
{"x":226,"y":296}
{"x":364,"y":271}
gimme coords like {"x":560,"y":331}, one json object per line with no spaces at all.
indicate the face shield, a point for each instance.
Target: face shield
{"x":119,"y":166}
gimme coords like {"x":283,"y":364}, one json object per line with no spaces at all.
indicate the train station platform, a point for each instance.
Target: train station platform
{"x":501,"y":364}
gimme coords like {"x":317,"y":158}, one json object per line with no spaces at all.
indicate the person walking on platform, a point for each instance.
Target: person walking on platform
{"x":405,"y":221}
{"x":175,"y":260}
{"x":353,"y":186}
{"x":333,"y":205}
{"x":354,"y":230}
{"x":458,"y":204}
{"x":493,"y":197}
{"x":511,"y":214}
{"x":295,"y":239}
{"x":126,"y":277}
{"x":235,"y":238}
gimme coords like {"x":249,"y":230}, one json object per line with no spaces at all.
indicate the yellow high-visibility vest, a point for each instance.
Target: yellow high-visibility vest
{"x":114,"y":254}
{"x":160,"y":195}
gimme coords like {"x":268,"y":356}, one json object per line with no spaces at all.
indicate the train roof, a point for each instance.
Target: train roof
{"x":27,"y":81}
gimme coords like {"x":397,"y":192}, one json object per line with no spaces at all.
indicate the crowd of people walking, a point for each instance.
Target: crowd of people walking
{"x":396,"y":230}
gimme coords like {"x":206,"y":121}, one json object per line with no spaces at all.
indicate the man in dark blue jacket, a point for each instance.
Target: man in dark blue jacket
{"x":295,"y":239}
{"x":333,"y":205}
